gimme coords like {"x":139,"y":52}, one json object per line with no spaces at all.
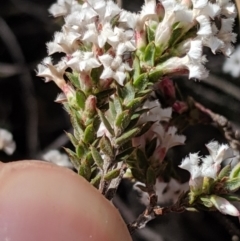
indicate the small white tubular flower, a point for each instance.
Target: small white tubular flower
{"x":191,"y":164}
{"x":210,"y":165}
{"x":64,"y":42}
{"x":128,"y":19}
{"x":114,"y":68}
{"x":60,"y":159}
{"x":232,"y":64}
{"x":205,"y":25}
{"x":219,"y":152}
{"x":83,"y":61}
{"x":155,"y":113}
{"x":224,"y":206}
{"x":7,"y":144}
{"x":122,"y":37}
{"x":52,"y":72}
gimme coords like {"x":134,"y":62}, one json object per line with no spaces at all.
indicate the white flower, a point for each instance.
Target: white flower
{"x":64,"y":42}
{"x":83,"y":61}
{"x":210,"y":165}
{"x":57,"y":158}
{"x":52,"y":72}
{"x":191,"y":164}
{"x":114,"y":68}
{"x":7,"y":143}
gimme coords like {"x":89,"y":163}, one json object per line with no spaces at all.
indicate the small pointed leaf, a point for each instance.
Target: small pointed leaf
{"x":122,"y":156}
{"x":122,"y":121}
{"x":127,"y":136}
{"x":97,"y":157}
{"x":89,"y":134}
{"x":112,"y":174}
{"x":149,"y":54}
{"x":106,"y":146}
{"x":85,"y":171}
{"x":224,"y":172}
{"x":80,"y":99}
{"x":235,"y":171}
{"x":151,"y":177}
{"x":106,"y":122}
{"x":232,"y":185}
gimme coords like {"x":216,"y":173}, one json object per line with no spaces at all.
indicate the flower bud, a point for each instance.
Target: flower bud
{"x":90,"y":106}
{"x":167,"y":89}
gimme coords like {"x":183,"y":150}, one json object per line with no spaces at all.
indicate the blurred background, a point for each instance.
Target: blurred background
{"x":28,"y":111}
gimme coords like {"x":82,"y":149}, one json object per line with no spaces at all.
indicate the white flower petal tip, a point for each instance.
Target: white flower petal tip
{"x":224,"y":206}
{"x":7,"y":143}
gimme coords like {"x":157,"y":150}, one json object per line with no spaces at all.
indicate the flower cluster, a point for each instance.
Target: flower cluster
{"x":212,"y":185}
{"x":113,"y":63}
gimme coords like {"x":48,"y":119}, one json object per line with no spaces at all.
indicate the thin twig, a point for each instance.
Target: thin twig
{"x":231,"y":135}
{"x":14,"y":49}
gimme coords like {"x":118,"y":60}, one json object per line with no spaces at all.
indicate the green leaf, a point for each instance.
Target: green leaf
{"x":105,"y":93}
{"x":138,"y":175}
{"x":122,"y":156}
{"x":149,"y":54}
{"x":106,"y":122}
{"x":96,"y":181}
{"x":150,"y":147}
{"x":73,"y":158}
{"x":232,"y":185}
{"x":206,"y":201}
{"x":141,"y":82}
{"x":95,"y":74}
{"x":117,"y":105}
{"x":112,"y":174}
{"x":72,"y":138}
{"x":231,"y":197}
{"x":224,"y":172}
{"x":74,"y":78}
{"x":155,"y":74}
{"x":128,"y":93}
{"x":106,"y":146}
{"x":144,"y":128}
{"x":136,"y":68}
{"x":81,"y":150}
{"x":80,"y":99}
{"x":85,"y":171}
{"x":151,"y":34}
{"x":235,"y":171}
{"x":135,"y":103}
{"x":151,"y":177}
{"x":121,"y":122}
{"x":97,"y":157}
{"x":141,"y":159}
{"x":89,"y":134}
{"x":112,"y":110}
{"x":176,"y":34}
{"x":77,"y":125}
{"x":127,"y":136}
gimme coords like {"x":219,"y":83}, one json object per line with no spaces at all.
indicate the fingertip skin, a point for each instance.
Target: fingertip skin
{"x":41,"y":201}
